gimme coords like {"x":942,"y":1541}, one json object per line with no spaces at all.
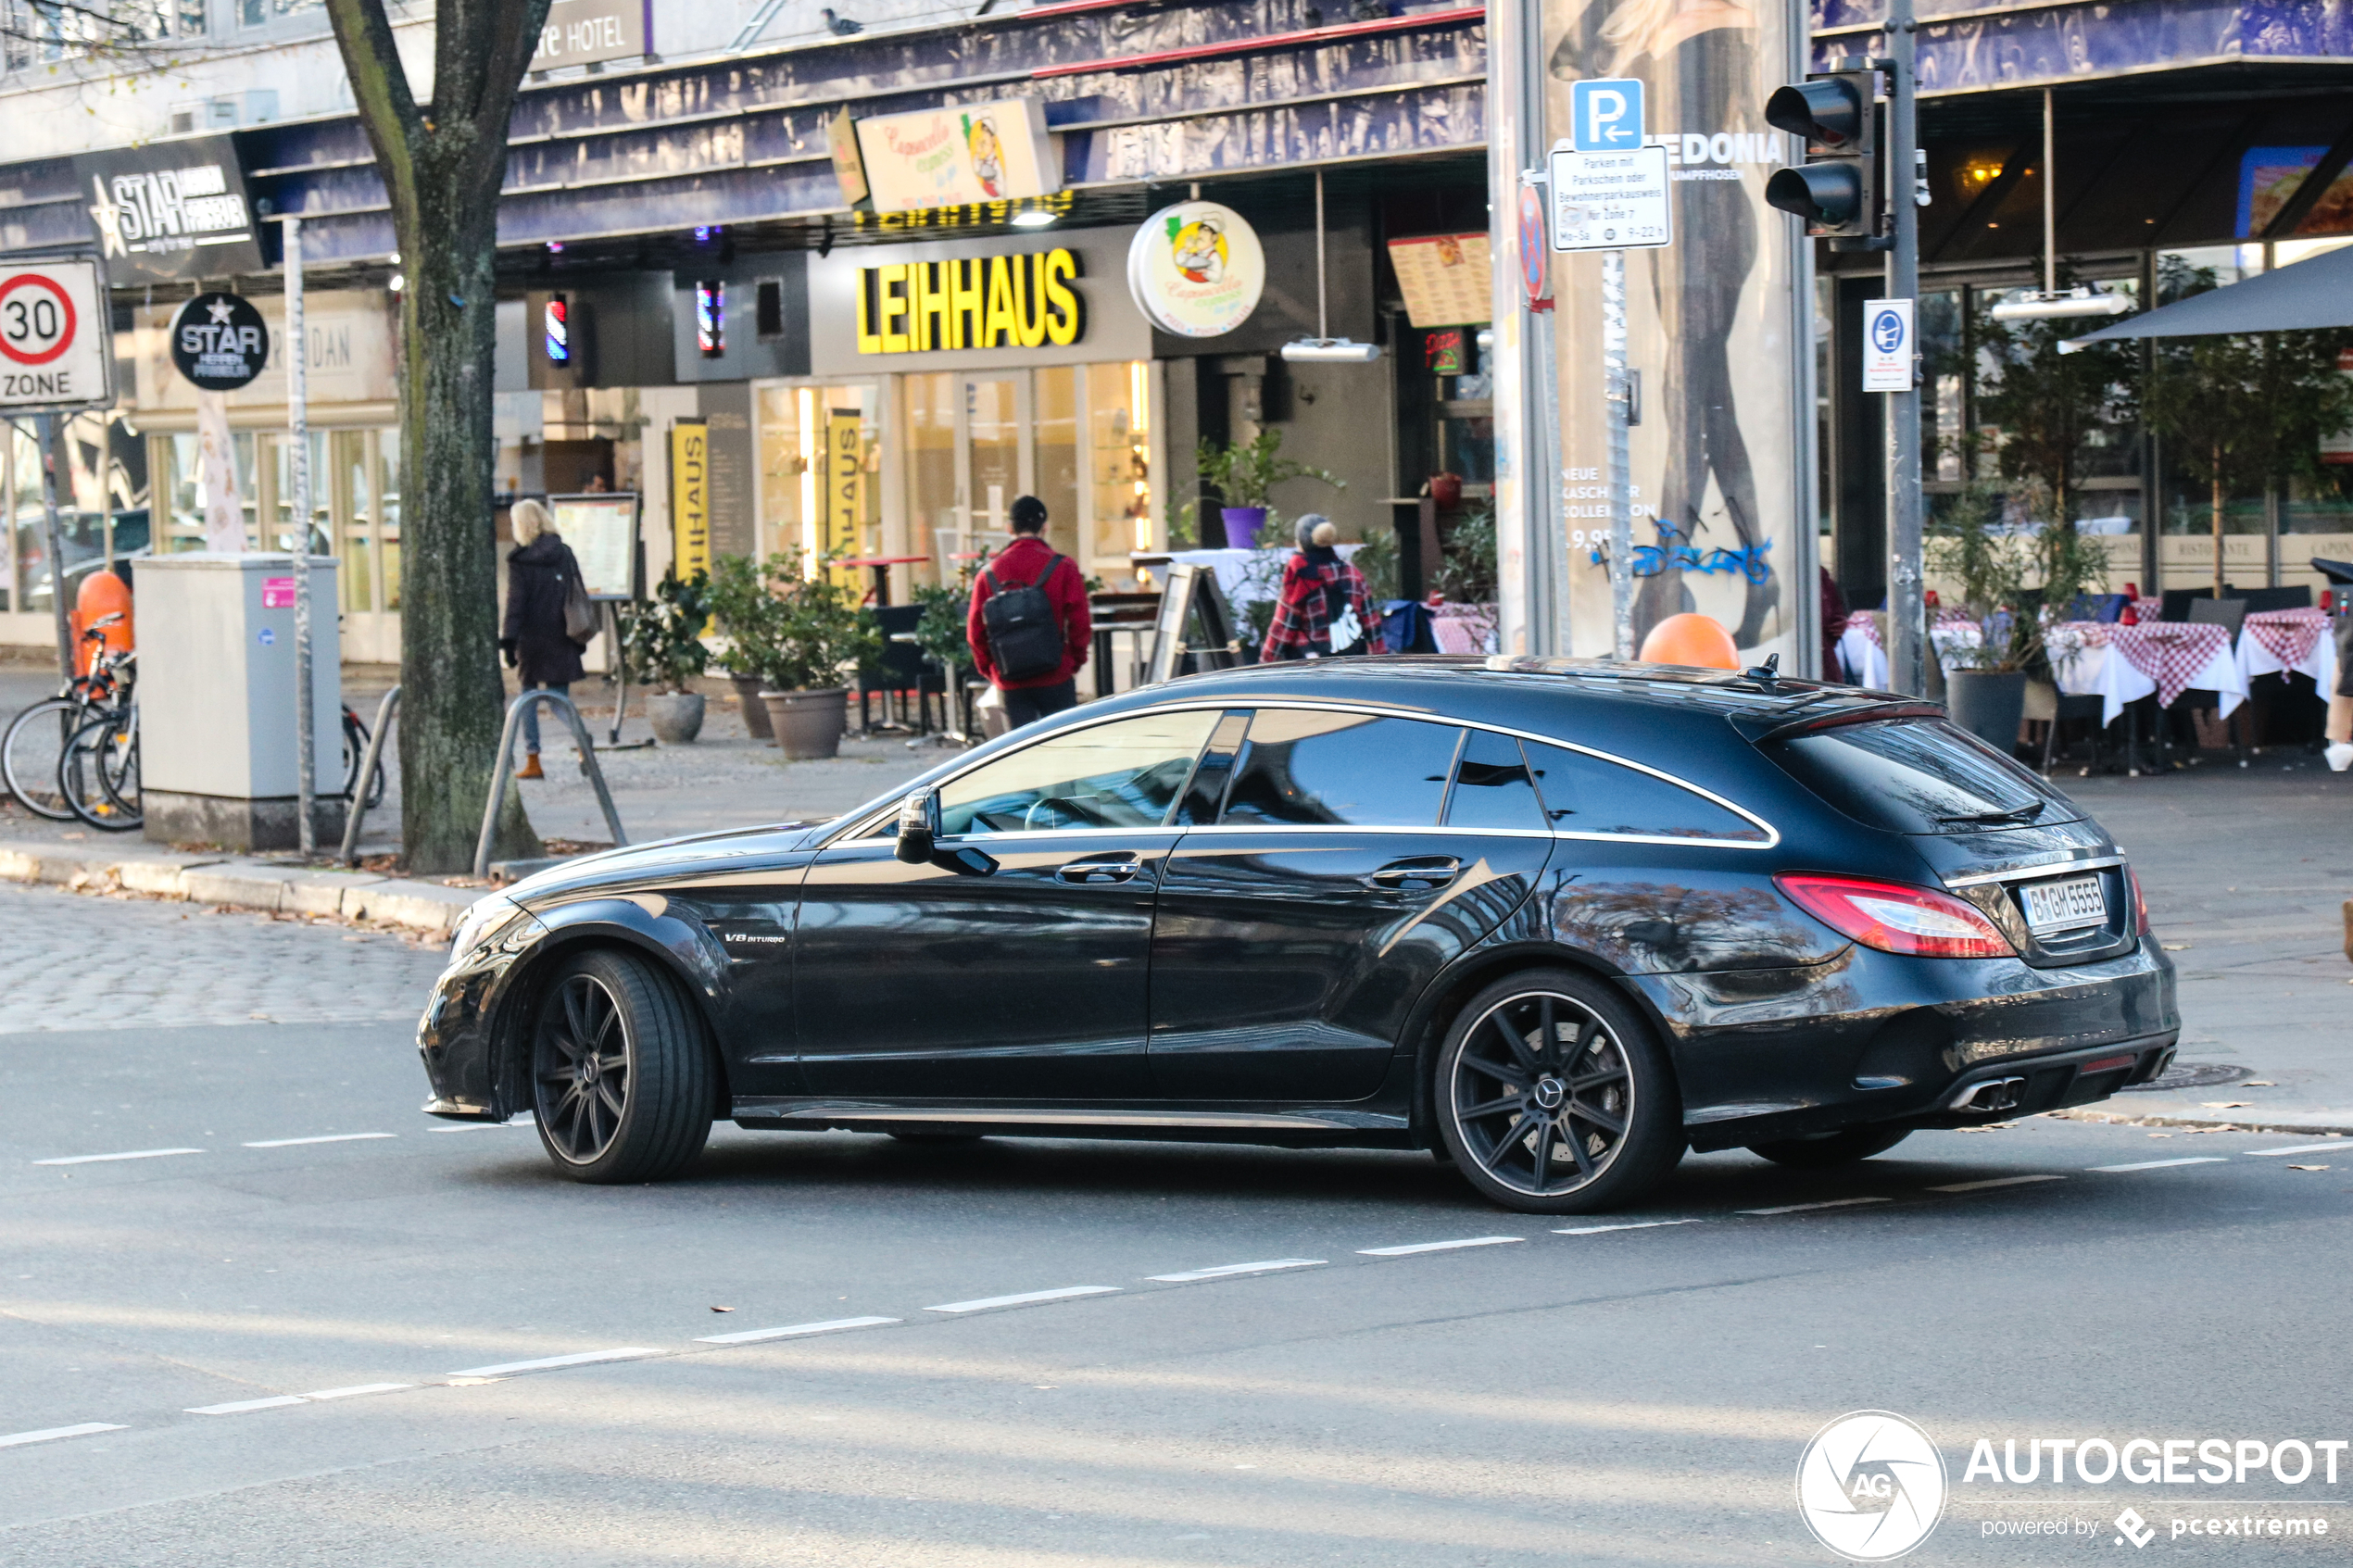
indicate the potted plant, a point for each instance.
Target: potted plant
{"x":803,"y":635}
{"x":1243,"y":473}
{"x":2013,"y":582}
{"x":738,"y":604}
{"x":661,"y":649}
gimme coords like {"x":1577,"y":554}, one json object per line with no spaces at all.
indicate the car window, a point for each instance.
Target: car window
{"x":1343,"y":769}
{"x":1585,"y":794}
{"x":1919,"y":775}
{"x":1123,"y":774}
{"x":1492,"y":786}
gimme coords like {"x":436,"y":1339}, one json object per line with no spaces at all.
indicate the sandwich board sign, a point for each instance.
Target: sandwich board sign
{"x":56,"y":337}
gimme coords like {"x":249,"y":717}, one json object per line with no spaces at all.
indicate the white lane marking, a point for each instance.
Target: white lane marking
{"x":358,"y":1388}
{"x":1995,"y":1182}
{"x":239,"y":1407}
{"x":1224,"y":1271}
{"x":1408,"y":1250}
{"x":51,"y":1434}
{"x":1802,"y":1208}
{"x":330,"y":1137}
{"x":627,"y":1352}
{"x":829,"y":1326}
{"x":2335,"y":1146}
{"x":2160,"y":1164}
{"x":1025,"y":1298}
{"x":134,"y":1154}
{"x":1626,"y":1225}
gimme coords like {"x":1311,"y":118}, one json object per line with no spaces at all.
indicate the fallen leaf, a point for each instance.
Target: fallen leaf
{"x":2259,"y":1084}
{"x":2161,"y":1134}
{"x":723,"y":1309}
{"x":2226,"y":1104}
{"x":2175,"y":947}
{"x":2308,"y":1167}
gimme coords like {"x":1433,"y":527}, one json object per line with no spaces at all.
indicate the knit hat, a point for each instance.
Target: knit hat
{"x":1315,"y":528}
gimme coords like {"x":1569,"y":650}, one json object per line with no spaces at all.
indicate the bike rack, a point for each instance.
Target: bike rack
{"x":499,"y":777}
{"x":349,"y":853}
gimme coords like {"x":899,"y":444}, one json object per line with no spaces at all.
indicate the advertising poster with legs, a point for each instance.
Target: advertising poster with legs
{"x":1716,"y":333}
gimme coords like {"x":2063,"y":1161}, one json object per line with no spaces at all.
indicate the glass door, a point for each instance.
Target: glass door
{"x":994,"y":459}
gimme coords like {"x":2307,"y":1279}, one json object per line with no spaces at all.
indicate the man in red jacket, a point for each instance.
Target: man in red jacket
{"x":1030,"y":560}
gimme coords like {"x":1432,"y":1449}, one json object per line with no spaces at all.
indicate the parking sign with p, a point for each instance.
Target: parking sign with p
{"x":1607,"y":115}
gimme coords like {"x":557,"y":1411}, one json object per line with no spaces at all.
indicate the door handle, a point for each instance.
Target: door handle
{"x":1083,"y":872}
{"x":1417,"y":875}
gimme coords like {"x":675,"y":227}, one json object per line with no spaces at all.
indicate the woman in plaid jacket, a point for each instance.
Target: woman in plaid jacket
{"x":1321,"y":608}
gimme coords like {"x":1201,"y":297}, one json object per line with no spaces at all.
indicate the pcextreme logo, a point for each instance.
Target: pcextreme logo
{"x":1871,"y":1485}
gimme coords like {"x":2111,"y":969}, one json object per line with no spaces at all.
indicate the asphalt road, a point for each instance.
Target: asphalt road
{"x":1635,"y":1395}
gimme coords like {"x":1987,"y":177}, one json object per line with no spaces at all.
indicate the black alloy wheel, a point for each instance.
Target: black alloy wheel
{"x":1552,"y":1097}
{"x":623,"y":1080}
{"x":1824,"y":1150}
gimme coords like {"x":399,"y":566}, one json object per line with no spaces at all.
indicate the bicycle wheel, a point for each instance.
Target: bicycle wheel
{"x":105,"y":748}
{"x":354,"y":749}
{"x":30,"y":751}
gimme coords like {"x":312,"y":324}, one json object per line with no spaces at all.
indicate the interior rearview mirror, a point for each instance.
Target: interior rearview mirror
{"x":918,"y":826}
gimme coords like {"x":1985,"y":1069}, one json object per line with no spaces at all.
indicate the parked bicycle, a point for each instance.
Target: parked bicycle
{"x":38,"y":738}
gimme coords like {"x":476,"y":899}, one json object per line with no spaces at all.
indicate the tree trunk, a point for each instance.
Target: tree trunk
{"x":442,"y":164}
{"x":2218,"y":521}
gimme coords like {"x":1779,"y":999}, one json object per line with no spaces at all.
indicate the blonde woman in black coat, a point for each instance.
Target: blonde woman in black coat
{"x":538,"y":574}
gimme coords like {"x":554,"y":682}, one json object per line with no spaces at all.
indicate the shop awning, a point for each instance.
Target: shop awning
{"x":2318,"y":293}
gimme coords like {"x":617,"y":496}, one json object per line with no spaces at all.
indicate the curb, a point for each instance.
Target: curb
{"x":232,"y":881}
{"x":2216,"y":1124}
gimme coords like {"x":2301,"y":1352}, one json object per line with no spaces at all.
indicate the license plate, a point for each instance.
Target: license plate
{"x":2064,"y":906}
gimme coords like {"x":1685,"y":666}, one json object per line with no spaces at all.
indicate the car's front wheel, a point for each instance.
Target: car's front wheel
{"x":622,"y":1082}
{"x":1552,"y":1097}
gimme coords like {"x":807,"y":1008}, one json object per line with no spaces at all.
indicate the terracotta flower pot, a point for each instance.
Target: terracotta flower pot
{"x":809,"y":725}
{"x":675,"y":716}
{"x":748,"y":690}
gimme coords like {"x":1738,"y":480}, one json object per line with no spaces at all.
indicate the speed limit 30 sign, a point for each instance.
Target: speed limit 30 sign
{"x":57,"y":339}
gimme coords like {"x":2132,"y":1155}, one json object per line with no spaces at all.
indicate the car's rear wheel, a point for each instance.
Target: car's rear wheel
{"x":1825,"y":1149}
{"x":1554,"y":1099}
{"x":622,"y":1082}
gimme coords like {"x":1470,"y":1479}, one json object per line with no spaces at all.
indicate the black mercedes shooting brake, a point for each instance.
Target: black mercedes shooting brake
{"x":1554,"y":921}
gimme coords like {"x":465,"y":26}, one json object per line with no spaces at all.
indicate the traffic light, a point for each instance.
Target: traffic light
{"x":1837,"y":188}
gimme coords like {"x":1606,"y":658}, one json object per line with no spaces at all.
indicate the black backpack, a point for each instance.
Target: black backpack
{"x":1025,"y":635}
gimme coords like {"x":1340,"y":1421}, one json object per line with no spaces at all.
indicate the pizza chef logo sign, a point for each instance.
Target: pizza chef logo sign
{"x":219,"y":342}
{"x":1871,"y":1485}
{"x":1196,"y":269}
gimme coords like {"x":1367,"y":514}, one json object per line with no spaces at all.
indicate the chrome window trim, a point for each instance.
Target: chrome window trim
{"x":1772,"y":835}
{"x":2030,"y":874}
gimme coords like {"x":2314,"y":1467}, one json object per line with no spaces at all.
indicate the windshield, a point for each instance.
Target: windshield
{"x":1920,"y":775}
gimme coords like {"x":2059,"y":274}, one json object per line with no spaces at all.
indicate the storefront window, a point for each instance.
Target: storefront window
{"x":356,"y":501}
{"x":388,"y":512}
{"x":1119,"y":462}
{"x":820,"y":453}
{"x":1056,"y":460}
{"x":928,"y":403}
{"x":178,"y":496}
{"x":23,"y":458}
{"x":284,"y":529}
{"x":993,"y":423}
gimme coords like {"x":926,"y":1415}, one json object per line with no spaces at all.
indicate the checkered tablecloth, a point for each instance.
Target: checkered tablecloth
{"x":1860,"y":647}
{"x":1463,"y":628}
{"x":2122,"y":664}
{"x":2278,"y":642}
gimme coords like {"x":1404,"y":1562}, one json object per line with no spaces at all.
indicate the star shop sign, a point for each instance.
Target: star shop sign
{"x":219,"y":342}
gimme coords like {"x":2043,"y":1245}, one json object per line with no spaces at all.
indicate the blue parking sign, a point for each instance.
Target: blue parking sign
{"x":1607,"y":115}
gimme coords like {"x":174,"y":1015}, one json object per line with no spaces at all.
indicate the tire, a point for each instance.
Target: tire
{"x":30,"y":751}
{"x":1825,"y":1149}
{"x":609,"y":1015}
{"x":354,"y":751}
{"x":98,"y":775}
{"x":1513,"y":1113}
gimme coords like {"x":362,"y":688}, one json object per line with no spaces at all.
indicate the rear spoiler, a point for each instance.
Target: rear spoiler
{"x":1894,"y":707}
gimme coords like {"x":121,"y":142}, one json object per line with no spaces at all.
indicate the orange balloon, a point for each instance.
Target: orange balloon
{"x":101,"y":594}
{"x":1694,"y":640}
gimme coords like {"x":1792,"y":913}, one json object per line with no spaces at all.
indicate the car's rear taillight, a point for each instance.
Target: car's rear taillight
{"x":1896,"y":916}
{"x":2140,"y":902}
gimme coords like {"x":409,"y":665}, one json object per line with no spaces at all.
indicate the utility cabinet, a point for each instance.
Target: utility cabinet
{"x":217,"y":721}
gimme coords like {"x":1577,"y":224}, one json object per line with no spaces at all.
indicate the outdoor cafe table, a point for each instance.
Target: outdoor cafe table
{"x":1865,"y":660}
{"x":2122,"y":664}
{"x":2283,"y":642}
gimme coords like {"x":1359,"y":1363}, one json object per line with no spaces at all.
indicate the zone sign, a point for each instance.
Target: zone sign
{"x":56,"y":337}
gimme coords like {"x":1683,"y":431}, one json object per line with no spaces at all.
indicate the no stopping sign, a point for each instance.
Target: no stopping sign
{"x":56,"y":345}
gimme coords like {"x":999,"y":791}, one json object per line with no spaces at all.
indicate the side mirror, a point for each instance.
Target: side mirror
{"x":918,"y":826}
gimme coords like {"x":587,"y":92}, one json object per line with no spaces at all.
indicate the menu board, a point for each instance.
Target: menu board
{"x":1445,"y":278}
{"x":602,"y":532}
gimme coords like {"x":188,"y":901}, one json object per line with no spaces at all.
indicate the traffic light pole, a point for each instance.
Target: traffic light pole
{"x":1907,"y":622}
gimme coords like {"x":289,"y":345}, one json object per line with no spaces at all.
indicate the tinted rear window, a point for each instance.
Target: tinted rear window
{"x":1586,"y":794}
{"x":1919,"y":775}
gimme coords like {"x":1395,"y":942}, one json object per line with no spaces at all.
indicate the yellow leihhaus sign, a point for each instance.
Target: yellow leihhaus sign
{"x":982,"y":302}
